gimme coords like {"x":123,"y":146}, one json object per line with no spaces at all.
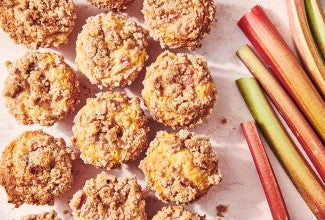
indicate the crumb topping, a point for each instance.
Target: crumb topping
{"x":180,"y":167}
{"x":110,"y":129}
{"x":36,"y":168}
{"x":179,"y":23}
{"x":111,"y":50}
{"x":52,"y":215}
{"x":36,"y":23}
{"x":41,"y":88}
{"x":111,"y":4}
{"x":179,"y":90}
{"x":108,"y":197}
{"x":176,"y":212}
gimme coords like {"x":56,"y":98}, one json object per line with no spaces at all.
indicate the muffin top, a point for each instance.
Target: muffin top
{"x":179,"y":23}
{"x":40,"y":88}
{"x":180,"y":167}
{"x":176,"y":212}
{"x":111,"y":4}
{"x":109,"y":197}
{"x":110,"y":129}
{"x":37,"y":23}
{"x":179,"y":90}
{"x":111,"y":50}
{"x":36,"y":168}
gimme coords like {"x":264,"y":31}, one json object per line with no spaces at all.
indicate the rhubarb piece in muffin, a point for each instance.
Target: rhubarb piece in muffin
{"x":111,"y":50}
{"x":111,"y":4}
{"x":179,"y":23}
{"x":176,"y":212}
{"x":52,"y":215}
{"x":40,"y":88}
{"x":110,"y":129}
{"x":36,"y":168}
{"x":37,"y":23}
{"x":180,"y":167}
{"x":179,"y":90}
{"x":109,"y":197}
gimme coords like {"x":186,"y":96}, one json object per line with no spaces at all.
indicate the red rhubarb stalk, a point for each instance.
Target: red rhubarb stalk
{"x":300,"y":127}
{"x":305,"y":44}
{"x":272,"y":47}
{"x":265,"y":172}
{"x":301,"y":174}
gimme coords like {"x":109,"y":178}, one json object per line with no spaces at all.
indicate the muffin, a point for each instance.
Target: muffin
{"x":176,"y":212}
{"x":41,"y":88}
{"x":110,"y":129}
{"x":179,"y":23}
{"x":36,"y":168}
{"x":179,"y":90}
{"x":37,"y":23}
{"x":111,"y":4}
{"x":111,"y":50}
{"x":109,"y":197}
{"x":180,"y":167}
{"x":52,"y":215}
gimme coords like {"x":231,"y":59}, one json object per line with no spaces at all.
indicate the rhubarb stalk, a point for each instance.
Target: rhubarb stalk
{"x":307,"y":183}
{"x":265,"y":172}
{"x":304,"y":42}
{"x":317,"y":22}
{"x":272,"y":47}
{"x":300,"y":127}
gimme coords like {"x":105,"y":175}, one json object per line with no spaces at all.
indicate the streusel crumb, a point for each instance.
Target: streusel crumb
{"x":111,"y":4}
{"x":176,"y":213}
{"x":52,"y":215}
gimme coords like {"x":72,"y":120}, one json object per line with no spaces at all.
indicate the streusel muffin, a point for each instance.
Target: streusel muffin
{"x":111,"y":4}
{"x":109,"y":197}
{"x":180,"y":167}
{"x":179,"y":23}
{"x":179,"y":90}
{"x":176,"y":213}
{"x":111,"y":50}
{"x":36,"y":168}
{"x":40,"y":88}
{"x":37,"y":23}
{"x":110,"y":129}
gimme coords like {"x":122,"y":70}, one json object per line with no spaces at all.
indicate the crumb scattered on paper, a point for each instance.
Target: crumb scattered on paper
{"x":221,"y":209}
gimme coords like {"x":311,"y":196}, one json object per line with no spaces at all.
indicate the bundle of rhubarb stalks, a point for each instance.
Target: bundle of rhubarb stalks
{"x":297,"y":90}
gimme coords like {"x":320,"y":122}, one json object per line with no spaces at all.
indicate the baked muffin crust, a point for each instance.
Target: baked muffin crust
{"x":179,"y":23}
{"x":180,"y":167}
{"x":179,"y":90}
{"x":109,"y":197}
{"x":40,"y":88}
{"x":37,"y":23}
{"x":111,"y":50}
{"x":110,"y":129}
{"x":36,"y":168}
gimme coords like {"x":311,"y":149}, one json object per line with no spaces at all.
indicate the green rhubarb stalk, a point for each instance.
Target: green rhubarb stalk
{"x":265,"y":172}
{"x":300,"y":127}
{"x":301,"y":174}
{"x":305,"y":44}
{"x":317,"y":22}
{"x":271,"y":46}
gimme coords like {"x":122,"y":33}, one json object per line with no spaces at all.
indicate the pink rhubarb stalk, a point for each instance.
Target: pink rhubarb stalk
{"x":305,"y":44}
{"x":272,"y":47}
{"x":265,"y":172}
{"x":300,"y":127}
